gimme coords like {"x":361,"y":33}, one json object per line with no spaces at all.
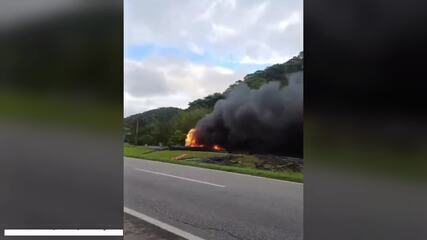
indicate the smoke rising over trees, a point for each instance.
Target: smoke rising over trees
{"x":265,"y":120}
{"x":265,"y":109}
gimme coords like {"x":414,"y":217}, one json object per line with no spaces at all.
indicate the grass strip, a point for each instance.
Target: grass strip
{"x":167,"y":155}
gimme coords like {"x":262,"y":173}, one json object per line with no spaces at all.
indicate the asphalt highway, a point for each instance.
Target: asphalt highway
{"x":213,"y":204}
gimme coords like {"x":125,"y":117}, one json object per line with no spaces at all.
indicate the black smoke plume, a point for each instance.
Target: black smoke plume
{"x":268,"y":120}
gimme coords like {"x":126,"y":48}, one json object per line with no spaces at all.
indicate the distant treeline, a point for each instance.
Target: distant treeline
{"x":169,"y":126}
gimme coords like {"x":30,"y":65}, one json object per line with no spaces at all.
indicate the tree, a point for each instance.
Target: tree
{"x":153,"y":126}
{"x":177,"y":138}
{"x":188,"y":119}
{"x":147,"y":139}
{"x":207,"y":102}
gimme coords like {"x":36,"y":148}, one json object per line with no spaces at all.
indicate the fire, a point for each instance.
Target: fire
{"x":191,"y":141}
{"x":218,"y":148}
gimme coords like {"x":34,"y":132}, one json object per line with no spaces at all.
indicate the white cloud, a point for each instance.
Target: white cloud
{"x":291,"y":20}
{"x":258,"y":11}
{"x":185,"y":82}
{"x":218,"y":27}
{"x":221,"y":33}
{"x":263,"y":61}
{"x":209,"y":12}
{"x":195,"y":49}
{"x":142,"y":80}
{"x":240,"y":32}
{"x":223,"y":70}
{"x":216,"y":7}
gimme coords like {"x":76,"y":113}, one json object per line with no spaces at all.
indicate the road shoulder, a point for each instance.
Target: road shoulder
{"x":136,"y":229}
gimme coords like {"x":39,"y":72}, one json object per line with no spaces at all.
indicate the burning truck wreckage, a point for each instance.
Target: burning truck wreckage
{"x":265,"y":122}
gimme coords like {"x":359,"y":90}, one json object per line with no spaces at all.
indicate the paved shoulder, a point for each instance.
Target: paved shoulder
{"x":136,"y":229}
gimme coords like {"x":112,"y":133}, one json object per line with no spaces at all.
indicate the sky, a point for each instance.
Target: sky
{"x":177,"y":51}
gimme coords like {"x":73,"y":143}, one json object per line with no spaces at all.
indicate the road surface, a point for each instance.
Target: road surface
{"x":136,"y":229}
{"x":213,"y":204}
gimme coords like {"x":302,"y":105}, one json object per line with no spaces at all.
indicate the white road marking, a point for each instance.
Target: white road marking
{"x":182,"y":178}
{"x":162,"y":225}
{"x":63,"y":232}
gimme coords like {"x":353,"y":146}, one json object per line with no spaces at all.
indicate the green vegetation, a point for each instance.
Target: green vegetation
{"x":152,"y":127}
{"x":162,"y":126}
{"x":186,"y":120}
{"x":207,"y":102}
{"x":246,"y":164}
{"x":275,"y":72}
{"x":177,"y":138}
{"x":136,"y":151}
{"x":169,"y":126}
{"x":169,"y":155}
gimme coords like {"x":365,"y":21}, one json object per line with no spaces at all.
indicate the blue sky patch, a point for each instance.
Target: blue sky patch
{"x":144,"y":51}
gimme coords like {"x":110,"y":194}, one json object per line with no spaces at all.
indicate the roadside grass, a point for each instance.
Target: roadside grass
{"x":247,"y":165}
{"x":136,"y":151}
{"x":169,"y":155}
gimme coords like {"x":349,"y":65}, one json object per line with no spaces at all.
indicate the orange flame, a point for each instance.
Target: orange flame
{"x":218,"y":148}
{"x":191,"y":141}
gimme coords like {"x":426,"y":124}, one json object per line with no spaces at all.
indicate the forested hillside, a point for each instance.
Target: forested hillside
{"x":255,"y":80}
{"x":168,"y":126}
{"x":152,"y":126}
